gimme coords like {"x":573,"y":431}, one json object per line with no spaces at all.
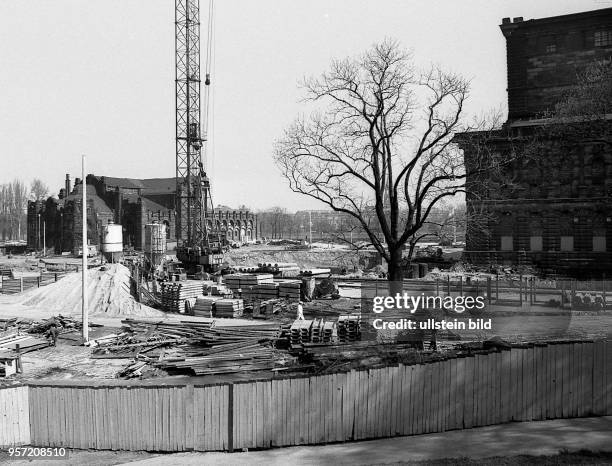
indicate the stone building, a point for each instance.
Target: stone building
{"x":552,"y":208}
{"x":132,"y":203}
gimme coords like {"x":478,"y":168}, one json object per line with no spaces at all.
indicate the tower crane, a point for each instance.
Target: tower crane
{"x":198,"y":244}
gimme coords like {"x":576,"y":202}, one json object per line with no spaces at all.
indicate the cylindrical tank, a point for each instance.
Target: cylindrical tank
{"x":112,"y":238}
{"x":155,"y":243}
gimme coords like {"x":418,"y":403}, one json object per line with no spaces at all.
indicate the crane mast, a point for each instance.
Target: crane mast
{"x":196,"y":243}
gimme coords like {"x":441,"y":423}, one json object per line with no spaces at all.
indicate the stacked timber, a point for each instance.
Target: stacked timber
{"x":229,"y":308}
{"x":26,"y":343}
{"x":312,"y":272}
{"x":241,"y":280}
{"x":205,"y":306}
{"x":349,"y":328}
{"x":5,"y":271}
{"x":289,"y":289}
{"x":219,"y":290}
{"x":299,"y":333}
{"x":231,"y":358}
{"x":174,"y":294}
{"x":321,"y":331}
{"x":266,"y":290}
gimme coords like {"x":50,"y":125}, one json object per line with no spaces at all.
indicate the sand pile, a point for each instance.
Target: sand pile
{"x":108,"y":294}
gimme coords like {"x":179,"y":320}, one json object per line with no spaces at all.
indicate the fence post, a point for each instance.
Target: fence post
{"x":489,"y":289}
{"x":21,"y":284}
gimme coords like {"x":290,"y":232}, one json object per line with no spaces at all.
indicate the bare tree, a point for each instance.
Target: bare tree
{"x":379,"y":146}
{"x":38,"y":190}
{"x":13,"y":204}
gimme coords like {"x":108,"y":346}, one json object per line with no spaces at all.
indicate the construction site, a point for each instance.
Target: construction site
{"x":141,"y":317}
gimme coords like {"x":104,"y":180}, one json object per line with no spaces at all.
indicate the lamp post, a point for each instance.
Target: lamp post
{"x":84,"y":249}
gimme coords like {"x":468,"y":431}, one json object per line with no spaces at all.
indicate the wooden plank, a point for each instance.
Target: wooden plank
{"x":607,"y":408}
{"x":528,"y":382}
{"x":459,"y":392}
{"x":5,"y":441}
{"x":514,"y":404}
{"x":550,"y":383}
{"x":577,"y":379}
{"x":599,"y":378}
{"x":406,"y":419}
{"x":565,"y":378}
{"x":347,"y":402}
{"x":558,"y":378}
{"x":478,"y":390}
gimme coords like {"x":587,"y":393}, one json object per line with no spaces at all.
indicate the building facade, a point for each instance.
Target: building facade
{"x":552,"y":208}
{"x":132,"y":203}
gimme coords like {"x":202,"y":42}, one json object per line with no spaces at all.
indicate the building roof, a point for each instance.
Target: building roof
{"x":506,"y":23}
{"x":151,"y":185}
{"x":98,"y":202}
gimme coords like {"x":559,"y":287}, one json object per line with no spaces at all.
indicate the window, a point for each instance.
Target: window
{"x":599,"y":244}
{"x":551,"y":48}
{"x":507,"y":243}
{"x":603,"y":38}
{"x":535,"y":243}
{"x":567,"y":243}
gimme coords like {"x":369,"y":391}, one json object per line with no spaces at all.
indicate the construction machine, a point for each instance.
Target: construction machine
{"x":199,"y":244}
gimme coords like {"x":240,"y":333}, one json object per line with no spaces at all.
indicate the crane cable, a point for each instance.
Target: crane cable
{"x":208,"y":95}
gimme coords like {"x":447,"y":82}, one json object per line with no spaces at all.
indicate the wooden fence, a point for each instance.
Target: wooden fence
{"x":17,"y":285}
{"x":530,"y":383}
{"x":14,"y":416}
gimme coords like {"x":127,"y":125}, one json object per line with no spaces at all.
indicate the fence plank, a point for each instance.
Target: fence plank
{"x":607,"y":366}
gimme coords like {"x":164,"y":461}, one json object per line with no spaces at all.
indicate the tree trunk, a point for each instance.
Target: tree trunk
{"x":395,"y":273}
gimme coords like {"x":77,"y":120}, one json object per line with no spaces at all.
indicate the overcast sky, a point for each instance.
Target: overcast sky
{"x":97,"y":77}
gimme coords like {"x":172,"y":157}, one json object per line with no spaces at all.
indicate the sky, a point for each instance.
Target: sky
{"x":96,"y":77}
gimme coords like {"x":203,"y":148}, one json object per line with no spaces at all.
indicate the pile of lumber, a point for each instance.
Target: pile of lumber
{"x":242,"y":280}
{"x":217,"y":289}
{"x":25,"y":343}
{"x":321,"y":331}
{"x":205,"y":306}
{"x":299,"y":333}
{"x":174,"y":294}
{"x":311,"y":331}
{"x":261,"y":291}
{"x":349,"y":328}
{"x":357,"y":350}
{"x":229,"y":308}
{"x":200,"y":348}
{"x":289,"y":289}
{"x":236,"y":357}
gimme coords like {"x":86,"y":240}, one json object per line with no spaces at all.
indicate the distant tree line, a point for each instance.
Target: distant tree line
{"x":446,"y":224}
{"x":14,"y":197}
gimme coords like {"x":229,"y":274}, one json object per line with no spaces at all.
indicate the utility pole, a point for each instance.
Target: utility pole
{"x":44,"y":238}
{"x":310,"y":229}
{"x":85,"y":250}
